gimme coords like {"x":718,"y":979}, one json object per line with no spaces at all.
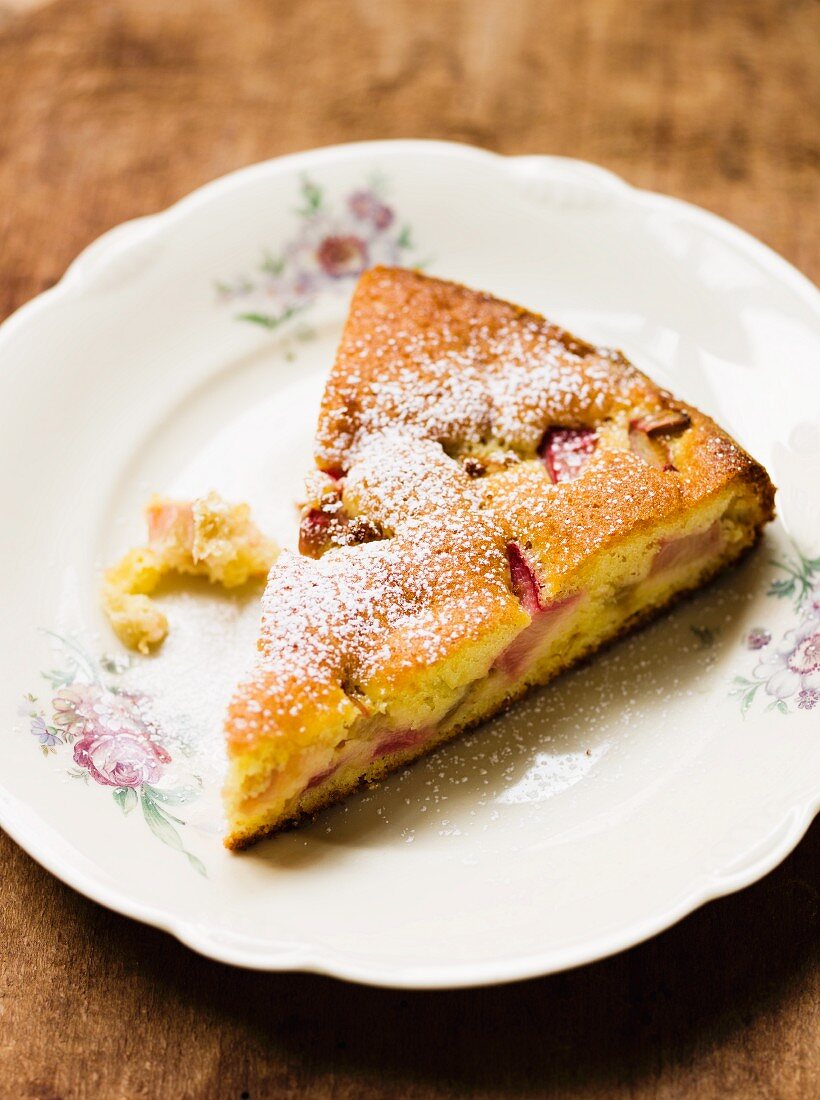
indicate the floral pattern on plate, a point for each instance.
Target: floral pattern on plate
{"x":333,"y":245}
{"x":788,"y":671}
{"x":111,"y":738}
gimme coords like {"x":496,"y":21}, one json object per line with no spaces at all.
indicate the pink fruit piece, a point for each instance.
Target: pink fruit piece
{"x":168,"y":516}
{"x":546,"y":617}
{"x":524,"y":581}
{"x":398,"y":740}
{"x":536,"y":638}
{"x":665,"y":422}
{"x":647,"y":435}
{"x":314,"y":532}
{"x":649,"y":449}
{"x":686,"y":549}
{"x":321,"y":776}
{"x":565,"y":451}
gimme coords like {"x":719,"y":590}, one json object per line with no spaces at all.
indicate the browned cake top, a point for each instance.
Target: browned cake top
{"x":500,"y":389}
{"x":453,"y":425}
{"x":439,"y":361}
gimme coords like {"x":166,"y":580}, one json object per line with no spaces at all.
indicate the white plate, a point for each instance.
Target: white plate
{"x":681,"y":765}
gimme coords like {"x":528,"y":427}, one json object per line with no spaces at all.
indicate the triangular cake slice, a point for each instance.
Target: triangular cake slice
{"x":494,"y":500}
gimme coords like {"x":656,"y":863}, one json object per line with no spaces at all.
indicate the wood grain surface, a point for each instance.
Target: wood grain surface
{"x":111,"y":109}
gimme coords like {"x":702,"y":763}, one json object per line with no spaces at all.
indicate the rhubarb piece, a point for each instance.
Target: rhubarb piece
{"x":651,"y":450}
{"x":565,"y":451}
{"x":315,"y":532}
{"x":684,"y":550}
{"x":649,"y":434}
{"x":204,"y":537}
{"x":399,"y":740}
{"x":531,"y":642}
{"x":329,"y":525}
{"x":524,"y":581}
{"x":664,"y":422}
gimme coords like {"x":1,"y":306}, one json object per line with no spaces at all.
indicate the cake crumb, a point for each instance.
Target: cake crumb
{"x":206,"y":537}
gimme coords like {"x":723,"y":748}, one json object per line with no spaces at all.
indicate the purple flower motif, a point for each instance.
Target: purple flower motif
{"x":304,"y":285}
{"x":808,"y":699}
{"x":341,"y":257}
{"x":44,"y":735}
{"x":368,"y":207}
{"x":758,"y":638}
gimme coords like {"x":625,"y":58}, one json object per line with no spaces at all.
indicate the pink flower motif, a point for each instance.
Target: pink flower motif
{"x":79,"y":708}
{"x":758,"y":638}
{"x":120,"y":758}
{"x":342,"y":256}
{"x":74,"y":709}
{"x":366,"y":206}
{"x":793,"y":667}
{"x":805,"y":658}
{"x":113,"y":739}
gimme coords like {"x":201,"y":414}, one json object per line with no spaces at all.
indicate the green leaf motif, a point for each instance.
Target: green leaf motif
{"x":163,"y":830}
{"x":798,"y":583}
{"x":58,"y":678}
{"x":378,"y":184}
{"x":781,"y":588}
{"x":312,"y":195}
{"x":272,"y":265}
{"x":126,"y":799}
{"x":180,"y":796}
{"x":270,"y":320}
{"x":405,"y":239}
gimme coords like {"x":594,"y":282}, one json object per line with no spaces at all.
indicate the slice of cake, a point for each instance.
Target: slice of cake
{"x":494,"y":500}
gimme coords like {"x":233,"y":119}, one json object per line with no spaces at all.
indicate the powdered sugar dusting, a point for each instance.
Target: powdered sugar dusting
{"x":438,"y":578}
{"x":445,"y":363}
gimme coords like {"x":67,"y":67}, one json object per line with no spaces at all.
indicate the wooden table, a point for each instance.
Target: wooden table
{"x":113,"y":109}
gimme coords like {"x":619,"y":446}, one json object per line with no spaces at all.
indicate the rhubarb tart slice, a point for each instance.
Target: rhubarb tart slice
{"x":493,"y":500}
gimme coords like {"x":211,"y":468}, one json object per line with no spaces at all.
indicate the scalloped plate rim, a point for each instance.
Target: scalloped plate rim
{"x":228,"y":947}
